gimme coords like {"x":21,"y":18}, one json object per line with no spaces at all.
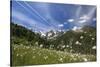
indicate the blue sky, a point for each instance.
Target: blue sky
{"x":44,"y":17}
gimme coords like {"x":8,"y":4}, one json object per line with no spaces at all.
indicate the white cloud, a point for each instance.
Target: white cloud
{"x":76,"y":28}
{"x":82,"y":21}
{"x":70,"y":20}
{"x":60,"y":25}
{"x":85,"y":17}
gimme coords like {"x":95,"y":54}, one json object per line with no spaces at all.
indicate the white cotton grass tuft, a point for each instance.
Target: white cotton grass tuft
{"x":45,"y":57}
{"x":61,"y":59}
{"x":78,"y":43}
{"x":90,"y":35}
{"x":67,"y":45}
{"x":94,"y":47}
{"x":63,"y":46}
{"x":41,"y":45}
{"x":85,"y":59}
{"x":85,"y":32}
{"x":33,"y":57}
{"x":81,"y":37}
{"x":93,"y":38}
{"x":70,"y":20}
{"x":17,"y":54}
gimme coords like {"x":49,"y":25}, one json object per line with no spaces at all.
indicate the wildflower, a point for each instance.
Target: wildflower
{"x":90,"y":35}
{"x":45,"y":57}
{"x":41,"y":45}
{"x":67,"y":45}
{"x":36,"y":43}
{"x":17,"y":54}
{"x":77,"y":42}
{"x":21,"y":44}
{"x":63,"y":46}
{"x":85,"y":59}
{"x":27,"y":47}
{"x":93,"y":38}
{"x":61,"y":60}
{"x":94,"y":47}
{"x":81,"y":37}
{"x":72,"y":56}
{"x":33,"y":57}
{"x":85,"y":32}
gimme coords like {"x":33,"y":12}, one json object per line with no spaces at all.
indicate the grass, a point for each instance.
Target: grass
{"x":29,"y":55}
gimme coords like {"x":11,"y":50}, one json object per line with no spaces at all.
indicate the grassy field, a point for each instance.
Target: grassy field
{"x":29,"y":55}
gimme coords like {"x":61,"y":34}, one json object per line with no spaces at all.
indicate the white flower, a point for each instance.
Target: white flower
{"x":85,"y":59}
{"x":93,"y":38}
{"x":17,"y":54}
{"x":61,"y":60}
{"x":94,"y":47}
{"x":33,"y":57}
{"x":63,"y":46}
{"x":36,"y":43}
{"x":77,"y":42}
{"x":45,"y":57}
{"x":27,"y":47}
{"x":67,"y":45}
{"x":90,"y":35}
{"x":21,"y":44}
{"x":72,"y":56}
{"x":81,"y":37}
{"x":41,"y":45}
{"x":85,"y":32}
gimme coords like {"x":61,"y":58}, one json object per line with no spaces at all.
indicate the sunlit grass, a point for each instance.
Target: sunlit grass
{"x":29,"y":55}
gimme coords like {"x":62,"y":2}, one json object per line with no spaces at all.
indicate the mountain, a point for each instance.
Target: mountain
{"x":80,"y":42}
{"x":53,"y":34}
{"x":22,"y":35}
{"x":70,"y":41}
